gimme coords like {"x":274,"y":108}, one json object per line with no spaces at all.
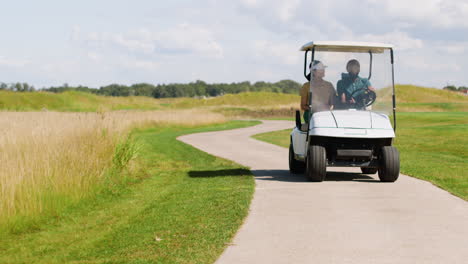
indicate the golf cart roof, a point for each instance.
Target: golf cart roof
{"x":347,"y":46}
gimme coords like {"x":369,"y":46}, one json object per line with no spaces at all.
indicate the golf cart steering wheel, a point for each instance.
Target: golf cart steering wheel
{"x":365,"y":99}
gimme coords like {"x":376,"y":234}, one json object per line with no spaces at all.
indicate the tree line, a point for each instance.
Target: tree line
{"x":193,"y":89}
{"x":17,"y":87}
{"x":462,"y":89}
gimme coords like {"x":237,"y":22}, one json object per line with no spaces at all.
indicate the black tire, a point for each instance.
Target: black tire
{"x":369,"y":170}
{"x":316,"y":163}
{"x":389,"y":164}
{"x":295,"y":166}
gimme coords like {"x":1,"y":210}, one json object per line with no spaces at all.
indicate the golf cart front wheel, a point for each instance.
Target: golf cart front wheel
{"x":369,"y":170}
{"x":389,"y":165}
{"x":295,"y":166}
{"x":316,"y":164}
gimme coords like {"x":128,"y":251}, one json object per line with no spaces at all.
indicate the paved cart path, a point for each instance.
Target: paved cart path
{"x":349,"y":218}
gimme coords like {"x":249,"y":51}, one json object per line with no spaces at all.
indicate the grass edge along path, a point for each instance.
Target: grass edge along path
{"x":432,"y":146}
{"x":185,"y":209}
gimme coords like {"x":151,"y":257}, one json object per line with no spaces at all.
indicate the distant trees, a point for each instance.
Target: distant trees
{"x":17,"y":87}
{"x":197,"y":88}
{"x":65,"y":87}
{"x":450,"y":88}
{"x":462,"y":89}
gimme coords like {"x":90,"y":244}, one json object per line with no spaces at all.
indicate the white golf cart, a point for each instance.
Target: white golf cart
{"x":355,"y":131}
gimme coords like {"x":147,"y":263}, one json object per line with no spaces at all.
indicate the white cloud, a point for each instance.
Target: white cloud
{"x":282,"y":10}
{"x":438,"y":13}
{"x":287,"y":9}
{"x":401,"y":40}
{"x":189,"y":37}
{"x":458,"y":48}
{"x":435,"y":64}
{"x":142,"y":64}
{"x":16,"y":63}
{"x":134,"y":43}
{"x":76,"y":33}
{"x":94,"y":56}
{"x":183,"y":38}
{"x":282,"y":52}
{"x":239,"y":40}
{"x":250,"y":3}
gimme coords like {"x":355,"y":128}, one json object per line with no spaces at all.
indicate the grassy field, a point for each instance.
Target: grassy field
{"x":251,"y":104}
{"x":51,"y":160}
{"x":95,"y":187}
{"x":244,"y":105}
{"x":182,"y":206}
{"x":249,"y":99}
{"x":75,"y":102}
{"x":412,"y":98}
{"x":433,"y":147}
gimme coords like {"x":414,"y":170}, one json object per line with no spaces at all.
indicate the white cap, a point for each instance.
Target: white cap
{"x":317,"y":65}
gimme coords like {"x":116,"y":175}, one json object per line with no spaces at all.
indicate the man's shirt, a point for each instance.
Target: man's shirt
{"x":347,"y":86}
{"x":323,"y":95}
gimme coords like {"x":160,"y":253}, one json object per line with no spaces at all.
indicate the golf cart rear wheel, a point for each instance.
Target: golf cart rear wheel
{"x":369,"y":170}
{"x":316,"y":163}
{"x":389,"y":167}
{"x":295,"y":166}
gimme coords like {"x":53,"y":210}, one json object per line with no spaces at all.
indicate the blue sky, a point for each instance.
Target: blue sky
{"x":96,"y":43}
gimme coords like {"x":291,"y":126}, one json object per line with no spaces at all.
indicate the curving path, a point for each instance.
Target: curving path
{"x":349,"y":218}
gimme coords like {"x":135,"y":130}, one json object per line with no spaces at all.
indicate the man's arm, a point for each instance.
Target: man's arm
{"x":340,"y":90}
{"x":369,"y":85}
{"x":343,"y":99}
{"x":332,"y":95}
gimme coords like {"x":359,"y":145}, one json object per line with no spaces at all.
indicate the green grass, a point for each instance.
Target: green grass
{"x":433,"y":107}
{"x":252,"y":99}
{"x":433,"y":147}
{"x":410,"y":98}
{"x":183,"y":206}
{"x":280,"y":138}
{"x":73,"y":102}
{"x":417,"y":94}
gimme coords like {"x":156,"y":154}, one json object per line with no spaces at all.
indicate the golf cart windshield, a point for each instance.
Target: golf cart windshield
{"x":353,"y":78}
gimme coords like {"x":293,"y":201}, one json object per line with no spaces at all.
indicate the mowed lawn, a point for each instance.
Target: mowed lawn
{"x":433,"y":147}
{"x":184,"y":208}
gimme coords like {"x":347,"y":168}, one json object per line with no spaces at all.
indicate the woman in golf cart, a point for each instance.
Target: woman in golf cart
{"x":323,"y":93}
{"x":352,"y":88}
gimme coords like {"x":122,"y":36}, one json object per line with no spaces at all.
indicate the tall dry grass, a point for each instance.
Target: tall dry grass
{"x":50,"y":159}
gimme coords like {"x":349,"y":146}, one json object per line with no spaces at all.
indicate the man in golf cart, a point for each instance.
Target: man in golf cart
{"x":323,"y":93}
{"x":352,"y":88}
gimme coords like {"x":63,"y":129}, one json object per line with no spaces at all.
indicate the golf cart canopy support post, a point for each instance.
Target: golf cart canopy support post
{"x":310,"y":91}
{"x":393,"y":91}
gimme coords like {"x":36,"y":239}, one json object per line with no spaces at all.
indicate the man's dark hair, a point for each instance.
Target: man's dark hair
{"x":352,"y":63}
